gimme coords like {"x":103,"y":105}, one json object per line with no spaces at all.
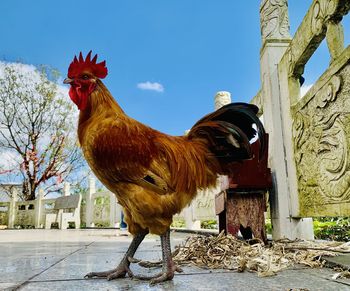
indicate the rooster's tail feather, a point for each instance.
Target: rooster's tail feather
{"x":228,"y":131}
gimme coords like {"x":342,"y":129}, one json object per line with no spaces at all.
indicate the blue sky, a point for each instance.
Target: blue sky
{"x":191,"y":48}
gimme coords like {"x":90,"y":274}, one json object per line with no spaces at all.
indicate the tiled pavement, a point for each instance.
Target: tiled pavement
{"x":59,"y":259}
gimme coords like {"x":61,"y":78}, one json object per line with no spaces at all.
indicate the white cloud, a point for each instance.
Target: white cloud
{"x":304,"y":89}
{"x":151,"y":86}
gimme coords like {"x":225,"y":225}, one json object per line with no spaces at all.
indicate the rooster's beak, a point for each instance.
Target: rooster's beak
{"x":67,"y":81}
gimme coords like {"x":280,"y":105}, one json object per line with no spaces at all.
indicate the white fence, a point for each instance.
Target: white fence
{"x":98,"y":209}
{"x":102,"y":209}
{"x":25,"y":213}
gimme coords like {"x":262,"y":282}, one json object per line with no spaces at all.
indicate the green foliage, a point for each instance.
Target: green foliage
{"x":102,"y":200}
{"x":205,"y":224}
{"x":24,"y":226}
{"x":268,"y":226}
{"x":335,"y":228}
{"x":178,"y":223}
{"x":71,"y":224}
{"x":54,"y":225}
{"x":209,"y":224}
{"x":102,"y":224}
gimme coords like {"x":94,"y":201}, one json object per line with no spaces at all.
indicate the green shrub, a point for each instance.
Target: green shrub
{"x":209,"y":224}
{"x":335,"y":228}
{"x":268,"y":226}
{"x":178,"y":223}
{"x":102,"y":224}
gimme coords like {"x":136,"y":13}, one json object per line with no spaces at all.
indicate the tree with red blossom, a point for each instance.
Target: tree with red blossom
{"x":38,"y":144}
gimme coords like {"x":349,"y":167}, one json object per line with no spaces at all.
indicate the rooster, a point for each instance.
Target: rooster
{"x":152,"y":174}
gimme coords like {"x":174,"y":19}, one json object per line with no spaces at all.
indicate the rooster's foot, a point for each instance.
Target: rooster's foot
{"x":160,"y":277}
{"x":169,"y":267}
{"x":123,"y":267}
{"x":119,"y":272}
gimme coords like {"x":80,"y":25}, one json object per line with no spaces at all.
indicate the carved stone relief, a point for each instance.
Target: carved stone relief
{"x":274,"y":19}
{"x":321,"y":10}
{"x":204,"y":204}
{"x":291,"y":61}
{"x":335,"y":39}
{"x":322,"y":20}
{"x":334,"y":171}
{"x":329,"y":93}
{"x":321,"y":131}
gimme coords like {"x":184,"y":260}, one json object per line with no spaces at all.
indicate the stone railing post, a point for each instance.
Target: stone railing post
{"x":190,"y":221}
{"x":89,"y":202}
{"x":38,"y":208}
{"x":12,"y":209}
{"x":118,"y":211}
{"x":276,"y":39}
{"x":222,"y":98}
{"x":66,"y":189}
{"x":112,"y":209}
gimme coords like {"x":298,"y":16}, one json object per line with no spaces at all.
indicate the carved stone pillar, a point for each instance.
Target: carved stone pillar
{"x":276,"y":38}
{"x":222,"y":98}
{"x":274,"y":21}
{"x":66,"y":189}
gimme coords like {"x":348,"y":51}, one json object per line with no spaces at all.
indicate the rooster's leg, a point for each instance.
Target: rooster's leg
{"x":169,"y":266}
{"x":149,"y":264}
{"x":123,"y":267}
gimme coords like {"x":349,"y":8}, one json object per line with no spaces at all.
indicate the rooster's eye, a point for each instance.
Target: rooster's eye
{"x":85,"y":77}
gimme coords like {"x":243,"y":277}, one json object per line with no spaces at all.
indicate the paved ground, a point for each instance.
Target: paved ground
{"x":59,"y":259}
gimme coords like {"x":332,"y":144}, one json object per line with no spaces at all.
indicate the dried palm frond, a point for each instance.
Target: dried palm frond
{"x":227,"y":252}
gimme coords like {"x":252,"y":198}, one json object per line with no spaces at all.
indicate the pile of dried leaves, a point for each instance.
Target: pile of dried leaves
{"x":227,"y":252}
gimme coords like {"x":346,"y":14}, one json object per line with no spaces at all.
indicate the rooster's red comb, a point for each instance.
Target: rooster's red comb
{"x":79,"y":66}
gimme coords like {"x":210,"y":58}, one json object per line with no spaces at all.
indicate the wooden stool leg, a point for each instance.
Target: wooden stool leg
{"x":245,"y":212}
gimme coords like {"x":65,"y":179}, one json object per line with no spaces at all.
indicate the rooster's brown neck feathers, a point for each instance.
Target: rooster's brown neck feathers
{"x":100,"y":104}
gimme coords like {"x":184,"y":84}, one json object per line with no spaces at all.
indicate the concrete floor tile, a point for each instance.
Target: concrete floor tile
{"x":57,"y":260}
{"x":288,"y":280}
